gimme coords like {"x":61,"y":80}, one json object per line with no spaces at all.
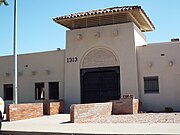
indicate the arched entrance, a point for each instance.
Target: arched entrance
{"x":100,"y":76}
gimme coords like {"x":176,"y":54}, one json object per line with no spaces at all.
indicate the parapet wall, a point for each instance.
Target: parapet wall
{"x":125,"y":106}
{"x":33,"y":110}
{"x":88,"y":113}
{"x":85,"y":113}
{"x":53,"y":107}
{"x":24,"y":111}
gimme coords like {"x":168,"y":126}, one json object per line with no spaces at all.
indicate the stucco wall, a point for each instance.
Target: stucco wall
{"x":81,"y":41}
{"x":139,"y":37}
{"x":53,"y":61}
{"x":24,"y":111}
{"x":87,"y":113}
{"x":122,"y":44}
{"x":151,"y":63}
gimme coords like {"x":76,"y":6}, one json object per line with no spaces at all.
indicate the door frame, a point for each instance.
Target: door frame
{"x":83,"y":71}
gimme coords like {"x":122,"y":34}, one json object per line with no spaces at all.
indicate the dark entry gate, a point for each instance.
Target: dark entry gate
{"x":100,"y":84}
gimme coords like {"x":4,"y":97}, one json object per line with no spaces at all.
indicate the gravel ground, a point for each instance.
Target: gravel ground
{"x":140,"y":118}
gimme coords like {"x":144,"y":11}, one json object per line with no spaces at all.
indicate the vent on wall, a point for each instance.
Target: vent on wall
{"x":162,"y":54}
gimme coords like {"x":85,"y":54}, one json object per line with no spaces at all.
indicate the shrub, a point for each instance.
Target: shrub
{"x":168,"y":109}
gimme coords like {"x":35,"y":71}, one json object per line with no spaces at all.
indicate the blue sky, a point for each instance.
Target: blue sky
{"x":37,"y":32}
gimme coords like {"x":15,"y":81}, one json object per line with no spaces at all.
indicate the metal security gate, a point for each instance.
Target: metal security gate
{"x":100,"y":84}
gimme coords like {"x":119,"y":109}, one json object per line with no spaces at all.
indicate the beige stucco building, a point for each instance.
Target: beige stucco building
{"x":106,"y":57}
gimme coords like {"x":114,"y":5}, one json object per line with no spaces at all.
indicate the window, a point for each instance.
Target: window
{"x":53,"y":90}
{"x":39,"y":91}
{"x":8,"y":91}
{"x":151,"y":85}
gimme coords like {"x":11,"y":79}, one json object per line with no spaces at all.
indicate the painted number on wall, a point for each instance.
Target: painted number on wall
{"x":72,"y":59}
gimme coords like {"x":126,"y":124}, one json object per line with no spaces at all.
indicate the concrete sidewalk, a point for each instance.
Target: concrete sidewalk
{"x":60,"y":124}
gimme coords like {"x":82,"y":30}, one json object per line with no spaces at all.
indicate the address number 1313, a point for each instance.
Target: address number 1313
{"x":72,"y":59}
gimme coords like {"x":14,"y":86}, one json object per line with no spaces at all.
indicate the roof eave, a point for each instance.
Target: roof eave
{"x":148,"y":21}
{"x":139,"y":17}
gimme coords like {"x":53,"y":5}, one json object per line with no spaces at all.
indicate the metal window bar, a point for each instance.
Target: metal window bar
{"x":151,"y":85}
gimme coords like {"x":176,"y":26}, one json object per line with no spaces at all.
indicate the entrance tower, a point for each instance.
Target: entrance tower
{"x":101,"y":61}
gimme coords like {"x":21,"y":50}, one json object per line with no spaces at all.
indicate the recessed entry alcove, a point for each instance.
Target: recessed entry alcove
{"x":100,"y":76}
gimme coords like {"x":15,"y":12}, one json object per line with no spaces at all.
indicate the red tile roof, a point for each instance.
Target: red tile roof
{"x":99,"y":11}
{"x":103,"y":11}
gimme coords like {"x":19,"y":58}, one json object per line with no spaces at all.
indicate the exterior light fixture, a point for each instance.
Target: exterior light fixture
{"x":115,"y":33}
{"x":79,"y":37}
{"x":150,"y":64}
{"x":4,"y":2}
{"x":171,"y":63}
{"x":7,"y":74}
{"x":97,"y":35}
{"x":20,"y":73}
{"x":48,"y":71}
{"x":33,"y":72}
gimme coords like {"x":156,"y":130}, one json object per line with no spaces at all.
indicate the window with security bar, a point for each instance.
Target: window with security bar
{"x":151,"y":85}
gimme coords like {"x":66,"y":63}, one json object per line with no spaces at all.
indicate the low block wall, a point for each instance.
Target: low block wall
{"x":51,"y":107}
{"x":85,"y":113}
{"x":125,"y":106}
{"x":24,"y":111}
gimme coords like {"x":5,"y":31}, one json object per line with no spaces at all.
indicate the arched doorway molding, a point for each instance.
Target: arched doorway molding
{"x":99,"y":57}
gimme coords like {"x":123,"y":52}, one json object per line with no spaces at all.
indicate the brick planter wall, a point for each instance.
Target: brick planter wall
{"x":85,"y":113}
{"x":24,"y":111}
{"x":125,"y":106}
{"x":51,"y":107}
